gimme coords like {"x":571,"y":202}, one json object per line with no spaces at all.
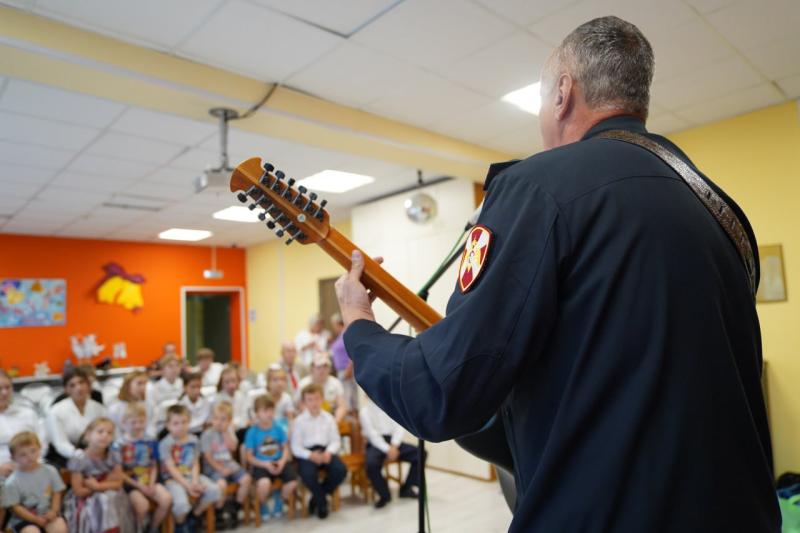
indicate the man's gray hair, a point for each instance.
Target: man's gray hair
{"x":612,"y":62}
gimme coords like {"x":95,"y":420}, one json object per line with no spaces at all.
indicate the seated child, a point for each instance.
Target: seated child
{"x":33,"y":491}
{"x":139,"y":455}
{"x":179,"y":453}
{"x":315,"y":443}
{"x":208,"y":369}
{"x":133,"y":389}
{"x":97,"y":501}
{"x":216,"y":444}
{"x":166,"y":390}
{"x":276,"y":390}
{"x":199,"y":407}
{"x":228,"y":391}
{"x":267,"y":451}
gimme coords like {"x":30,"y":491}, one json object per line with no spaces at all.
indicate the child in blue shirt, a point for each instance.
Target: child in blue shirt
{"x":267,"y":450}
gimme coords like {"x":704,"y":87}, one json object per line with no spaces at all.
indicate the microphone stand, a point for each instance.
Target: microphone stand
{"x":423,"y":293}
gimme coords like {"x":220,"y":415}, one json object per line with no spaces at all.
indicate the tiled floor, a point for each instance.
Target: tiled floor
{"x":457,"y":505}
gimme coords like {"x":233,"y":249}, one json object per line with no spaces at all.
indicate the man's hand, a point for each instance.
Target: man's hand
{"x":355,"y":302}
{"x":392,"y":454}
{"x":326,"y":457}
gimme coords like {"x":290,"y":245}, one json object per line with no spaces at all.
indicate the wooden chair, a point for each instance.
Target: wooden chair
{"x":355,"y":460}
{"x":255,"y":505}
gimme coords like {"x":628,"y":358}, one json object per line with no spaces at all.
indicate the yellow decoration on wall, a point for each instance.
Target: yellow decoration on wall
{"x":120,"y":288}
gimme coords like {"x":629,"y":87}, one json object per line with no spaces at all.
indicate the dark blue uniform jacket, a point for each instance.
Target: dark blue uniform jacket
{"x":614,"y":330}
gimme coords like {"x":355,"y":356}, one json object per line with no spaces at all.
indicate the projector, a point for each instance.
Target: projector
{"x":213,"y":273}
{"x":216,"y":179}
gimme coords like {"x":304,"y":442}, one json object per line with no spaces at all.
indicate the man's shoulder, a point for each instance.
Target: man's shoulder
{"x":574,"y":169}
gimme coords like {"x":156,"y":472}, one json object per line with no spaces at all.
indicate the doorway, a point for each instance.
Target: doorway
{"x":328,"y":303}
{"x":213,"y":318}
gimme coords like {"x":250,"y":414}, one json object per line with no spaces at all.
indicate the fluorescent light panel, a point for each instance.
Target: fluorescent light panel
{"x":180,"y":234}
{"x":237,"y":213}
{"x":335,"y":181}
{"x":528,"y":98}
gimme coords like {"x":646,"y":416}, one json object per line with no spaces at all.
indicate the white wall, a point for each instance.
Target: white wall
{"x":412,"y":252}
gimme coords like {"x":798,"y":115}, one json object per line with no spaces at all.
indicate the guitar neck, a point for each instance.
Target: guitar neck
{"x":397,"y":296}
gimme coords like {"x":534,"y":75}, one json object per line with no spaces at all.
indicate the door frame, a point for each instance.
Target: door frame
{"x":185,"y":290}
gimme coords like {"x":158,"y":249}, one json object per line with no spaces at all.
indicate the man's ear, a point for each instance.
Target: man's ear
{"x":563,"y":96}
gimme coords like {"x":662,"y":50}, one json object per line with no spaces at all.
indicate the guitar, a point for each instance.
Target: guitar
{"x":296,"y":213}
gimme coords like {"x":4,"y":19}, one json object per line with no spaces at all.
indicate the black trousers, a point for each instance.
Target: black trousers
{"x":309,"y":472}
{"x":375,"y":458}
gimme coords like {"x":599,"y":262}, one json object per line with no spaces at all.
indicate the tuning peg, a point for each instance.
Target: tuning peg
{"x":311,"y":198}
{"x":291,"y":182}
{"x":297,"y":199}
{"x":280,"y":174}
{"x":290,"y":239}
{"x":242,"y":197}
{"x":318,"y":213}
{"x":252,"y":206}
{"x":279,"y":233}
{"x":264,"y":179}
{"x":268,"y":167}
{"x":302,"y":189}
{"x":271,"y":224}
{"x":280,"y":218}
{"x":290,"y":227}
{"x":262,"y":216}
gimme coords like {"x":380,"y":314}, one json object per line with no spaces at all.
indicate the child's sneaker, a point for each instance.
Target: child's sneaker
{"x":264,"y":512}
{"x":277,"y":505}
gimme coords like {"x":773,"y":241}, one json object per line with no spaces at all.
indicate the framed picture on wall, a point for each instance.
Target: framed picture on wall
{"x":772,"y":287}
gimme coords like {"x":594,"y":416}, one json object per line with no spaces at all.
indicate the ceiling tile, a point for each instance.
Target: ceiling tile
{"x":525,"y":12}
{"x":196,"y":160}
{"x":707,"y":6}
{"x":682,"y":49}
{"x":502,"y":67}
{"x":257,"y":41}
{"x":704,"y":84}
{"x":434,"y":34}
{"x":25,"y":174}
{"x":19,"y":228}
{"x":157,"y":190}
{"x":10,"y":203}
{"x":340,"y":17}
{"x":31,"y":130}
{"x":791,"y":86}
{"x":111,"y":168}
{"x":70,"y":200}
{"x":174,"y":177}
{"x":522,"y":143}
{"x":57,"y":104}
{"x":163,"y":23}
{"x":487,"y":122}
{"x":44,"y":216}
{"x":664,"y":123}
{"x":90,"y":182}
{"x":648,"y":15}
{"x":34,"y":156}
{"x":353,"y":75}
{"x":732,"y":104}
{"x":163,"y":126}
{"x":19,"y":187}
{"x":749,"y":24}
{"x":426,"y":99}
{"x":778,"y":59}
{"x":135,"y":148}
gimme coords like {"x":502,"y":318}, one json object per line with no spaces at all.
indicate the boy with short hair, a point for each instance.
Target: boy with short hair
{"x":315,"y":444}
{"x":209,"y":369}
{"x":33,"y":491}
{"x":267,"y":449}
{"x":216,"y":444}
{"x":179,"y":453}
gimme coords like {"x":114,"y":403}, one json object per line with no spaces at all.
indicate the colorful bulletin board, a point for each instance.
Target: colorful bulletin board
{"x":33,"y":302}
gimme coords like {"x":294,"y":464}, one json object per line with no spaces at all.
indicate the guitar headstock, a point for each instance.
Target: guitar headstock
{"x":287,"y":210}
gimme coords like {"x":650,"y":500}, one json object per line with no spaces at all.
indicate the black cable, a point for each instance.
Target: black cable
{"x":258,"y":104}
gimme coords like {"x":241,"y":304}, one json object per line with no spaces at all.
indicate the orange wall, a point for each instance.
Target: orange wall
{"x":166,"y":268}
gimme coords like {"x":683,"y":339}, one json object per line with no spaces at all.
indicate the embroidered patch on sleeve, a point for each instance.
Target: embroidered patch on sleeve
{"x":474,"y":257}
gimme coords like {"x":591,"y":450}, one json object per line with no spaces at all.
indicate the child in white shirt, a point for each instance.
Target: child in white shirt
{"x":199,"y":407}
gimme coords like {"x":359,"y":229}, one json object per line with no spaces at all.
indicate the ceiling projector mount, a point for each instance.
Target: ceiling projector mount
{"x":218,"y":177}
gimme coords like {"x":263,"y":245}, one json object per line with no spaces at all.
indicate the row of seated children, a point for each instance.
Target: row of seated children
{"x":106,"y":476}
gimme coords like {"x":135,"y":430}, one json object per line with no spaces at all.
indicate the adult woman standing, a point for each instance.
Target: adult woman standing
{"x":68,"y":418}
{"x":15,"y":418}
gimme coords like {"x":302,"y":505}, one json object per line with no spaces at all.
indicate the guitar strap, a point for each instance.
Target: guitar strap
{"x":720,"y":210}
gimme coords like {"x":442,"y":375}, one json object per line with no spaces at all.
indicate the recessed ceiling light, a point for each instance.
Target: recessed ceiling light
{"x":237,"y":213}
{"x":335,"y":181}
{"x":178,"y":234}
{"x":528,"y":98}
